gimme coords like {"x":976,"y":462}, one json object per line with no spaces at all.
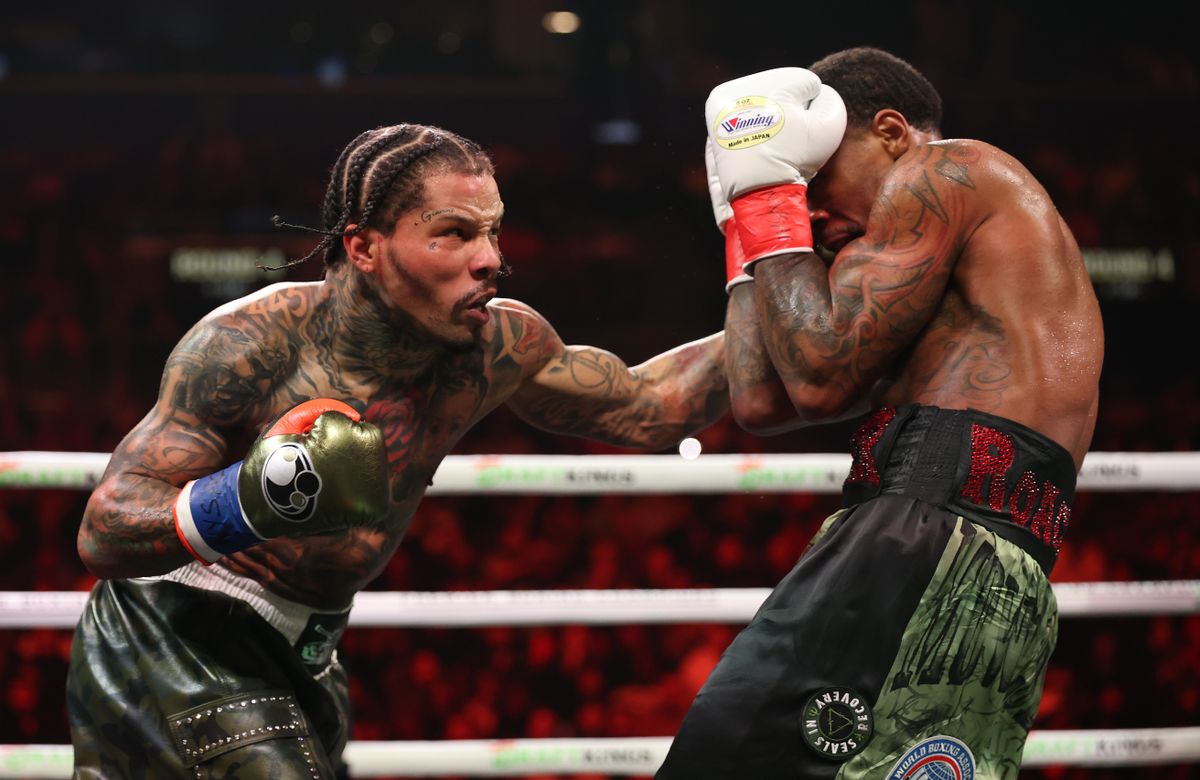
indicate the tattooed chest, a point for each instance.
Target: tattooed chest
{"x":416,"y":440}
{"x":420,"y":421}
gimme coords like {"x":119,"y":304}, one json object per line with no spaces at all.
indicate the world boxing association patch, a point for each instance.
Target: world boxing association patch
{"x":936,"y":758}
{"x":837,"y":723}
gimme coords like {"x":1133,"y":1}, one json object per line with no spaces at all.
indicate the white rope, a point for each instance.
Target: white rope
{"x":395,"y":609}
{"x":641,"y":755}
{"x":595,"y":474}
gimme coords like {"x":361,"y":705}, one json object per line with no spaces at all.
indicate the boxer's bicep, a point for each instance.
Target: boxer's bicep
{"x":217,"y":378}
{"x":834,"y":332}
{"x":214,"y":379}
{"x":590,"y":392}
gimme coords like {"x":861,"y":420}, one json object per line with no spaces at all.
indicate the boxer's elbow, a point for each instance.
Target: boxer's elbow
{"x":818,"y":403}
{"x":763,"y":413}
{"x":98,"y":545}
{"x":94,"y":554}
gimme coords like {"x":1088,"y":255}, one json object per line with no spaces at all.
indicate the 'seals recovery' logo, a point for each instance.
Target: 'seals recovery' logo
{"x":837,"y":723}
{"x":748,"y":122}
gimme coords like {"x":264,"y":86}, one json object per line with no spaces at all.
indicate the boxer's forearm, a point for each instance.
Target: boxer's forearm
{"x":758,"y":397}
{"x":592,"y":393}
{"x":128,"y":528}
{"x":682,"y":391}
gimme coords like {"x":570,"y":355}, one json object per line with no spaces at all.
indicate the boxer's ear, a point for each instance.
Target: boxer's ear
{"x":363,"y":248}
{"x":893,"y":132}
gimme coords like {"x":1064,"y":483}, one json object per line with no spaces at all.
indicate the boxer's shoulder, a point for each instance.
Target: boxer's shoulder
{"x":518,"y":331}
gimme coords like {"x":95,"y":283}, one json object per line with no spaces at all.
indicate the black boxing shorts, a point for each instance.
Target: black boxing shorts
{"x":911,"y":639}
{"x":172,"y":681}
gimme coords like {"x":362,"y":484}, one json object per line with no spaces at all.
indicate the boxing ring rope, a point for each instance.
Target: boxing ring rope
{"x":594,"y":474}
{"x":635,"y":474}
{"x":465,"y":609}
{"x":639,"y":755}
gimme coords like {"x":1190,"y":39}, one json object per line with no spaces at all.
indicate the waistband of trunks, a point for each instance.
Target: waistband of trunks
{"x":288,"y":617}
{"x":991,"y":470}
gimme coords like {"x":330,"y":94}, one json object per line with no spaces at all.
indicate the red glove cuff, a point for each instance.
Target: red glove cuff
{"x":773,"y":221}
{"x":735,"y":257}
{"x":299,"y":419}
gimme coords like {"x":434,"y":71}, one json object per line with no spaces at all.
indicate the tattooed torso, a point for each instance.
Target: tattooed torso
{"x":1017,"y":331}
{"x":422,"y":410}
{"x":250,"y":361}
{"x":967,"y":290}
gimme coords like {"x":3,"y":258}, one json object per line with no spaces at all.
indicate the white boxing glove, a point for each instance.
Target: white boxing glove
{"x":771,"y":132}
{"x":735,"y":258}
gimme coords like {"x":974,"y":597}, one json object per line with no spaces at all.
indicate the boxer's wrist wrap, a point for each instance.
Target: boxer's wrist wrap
{"x":773,"y":221}
{"x":209,"y":518}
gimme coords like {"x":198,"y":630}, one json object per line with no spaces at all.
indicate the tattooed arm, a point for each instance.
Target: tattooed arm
{"x":833,"y":332}
{"x":213,"y":379}
{"x":757,"y":397}
{"x":585,"y":391}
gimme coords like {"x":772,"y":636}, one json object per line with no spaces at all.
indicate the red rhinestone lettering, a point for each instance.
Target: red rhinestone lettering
{"x":1062,"y":519}
{"x":992,"y":453}
{"x":1024,"y":498}
{"x":863,"y":467}
{"x":1042,"y":524}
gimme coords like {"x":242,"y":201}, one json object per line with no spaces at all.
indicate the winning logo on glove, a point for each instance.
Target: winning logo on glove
{"x":748,"y":122}
{"x":290,"y":483}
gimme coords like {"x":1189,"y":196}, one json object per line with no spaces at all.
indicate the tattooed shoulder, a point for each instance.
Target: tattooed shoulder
{"x":230,"y":363}
{"x":929,"y":202}
{"x":522,"y":335}
{"x":953,"y":160}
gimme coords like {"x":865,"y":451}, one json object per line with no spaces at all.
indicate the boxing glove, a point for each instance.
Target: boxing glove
{"x":317,"y":469}
{"x":723,"y":213}
{"x":771,"y":132}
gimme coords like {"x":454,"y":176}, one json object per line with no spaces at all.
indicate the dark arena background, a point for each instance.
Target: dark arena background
{"x":145,"y":146}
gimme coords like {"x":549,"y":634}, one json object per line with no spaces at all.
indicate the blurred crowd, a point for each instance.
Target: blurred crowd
{"x":615,"y":245}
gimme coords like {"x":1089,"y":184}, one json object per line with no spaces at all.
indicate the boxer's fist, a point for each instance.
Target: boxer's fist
{"x":771,"y":132}
{"x":318,"y":469}
{"x":723,"y":214}
{"x":775,"y":127}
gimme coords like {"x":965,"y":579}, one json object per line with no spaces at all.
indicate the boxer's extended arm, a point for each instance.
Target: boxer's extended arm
{"x":589,"y":392}
{"x":832,"y":332}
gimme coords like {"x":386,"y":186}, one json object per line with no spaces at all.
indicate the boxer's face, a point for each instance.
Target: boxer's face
{"x":840,"y":196}
{"x":440,"y":263}
{"x":849,"y":185}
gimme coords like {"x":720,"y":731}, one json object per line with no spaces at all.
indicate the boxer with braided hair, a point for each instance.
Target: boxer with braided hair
{"x":208,"y":648}
{"x":374,"y":180}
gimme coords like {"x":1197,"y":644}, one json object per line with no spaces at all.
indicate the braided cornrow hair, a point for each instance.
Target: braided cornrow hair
{"x":379,"y":176}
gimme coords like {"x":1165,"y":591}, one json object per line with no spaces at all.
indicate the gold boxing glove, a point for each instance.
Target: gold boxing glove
{"x":319,"y":468}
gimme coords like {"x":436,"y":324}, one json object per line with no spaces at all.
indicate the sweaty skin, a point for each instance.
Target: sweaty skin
{"x":424,"y":372}
{"x":955,"y":283}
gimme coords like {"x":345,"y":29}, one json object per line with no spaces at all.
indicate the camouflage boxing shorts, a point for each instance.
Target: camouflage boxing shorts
{"x":902,"y":630}
{"x":911,"y":639}
{"x":169,"y":681}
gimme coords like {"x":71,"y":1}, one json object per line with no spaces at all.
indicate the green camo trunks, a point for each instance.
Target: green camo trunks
{"x":911,"y":639}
